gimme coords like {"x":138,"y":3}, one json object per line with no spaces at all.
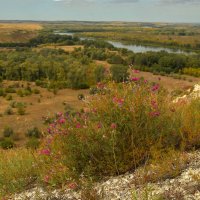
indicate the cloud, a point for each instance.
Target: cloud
{"x":179,"y":1}
{"x":99,"y":1}
{"x":124,"y":1}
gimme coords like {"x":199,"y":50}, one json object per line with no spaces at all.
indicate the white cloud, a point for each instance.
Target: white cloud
{"x":180,"y":1}
{"x":99,"y":1}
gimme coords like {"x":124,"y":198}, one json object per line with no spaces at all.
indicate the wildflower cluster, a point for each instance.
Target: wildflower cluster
{"x":113,"y":134}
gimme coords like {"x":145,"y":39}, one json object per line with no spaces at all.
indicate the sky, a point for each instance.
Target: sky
{"x":102,"y":10}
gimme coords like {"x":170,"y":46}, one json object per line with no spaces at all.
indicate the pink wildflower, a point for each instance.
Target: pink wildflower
{"x":113,"y":126}
{"x":145,"y":81}
{"x":46,"y":179}
{"x":59,"y":114}
{"x":72,"y":186}
{"x":99,"y":125}
{"x":155,"y":88}
{"x":135,"y":79}
{"x":118,"y":101}
{"x":49,"y":130}
{"x":155,"y":114}
{"x":78,"y":125}
{"x":45,"y":152}
{"x":154,"y":104}
{"x":62,"y":121}
{"x":100,"y":85}
{"x":136,"y":71}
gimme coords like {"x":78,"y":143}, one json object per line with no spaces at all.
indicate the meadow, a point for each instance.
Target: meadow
{"x":18,"y":32}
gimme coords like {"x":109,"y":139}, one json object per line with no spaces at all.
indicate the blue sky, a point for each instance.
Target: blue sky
{"x":102,"y":10}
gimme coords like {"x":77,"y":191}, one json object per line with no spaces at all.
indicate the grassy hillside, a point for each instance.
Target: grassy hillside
{"x":119,"y":129}
{"x":18,"y":32}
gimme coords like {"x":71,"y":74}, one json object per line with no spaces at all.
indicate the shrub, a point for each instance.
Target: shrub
{"x":116,"y":59}
{"x":21,"y":110}
{"x":120,"y":130}
{"x":93,"y":90}
{"x":10,"y":90}
{"x":9,"y":97}
{"x":99,"y":73}
{"x":55,"y":91}
{"x":119,"y":73}
{"x":33,"y":143}
{"x":7,"y":143}
{"x":8,"y":131}
{"x":36,"y":91}
{"x":2,"y":92}
{"x":24,"y":92}
{"x":9,"y":111}
{"x":13,"y":104}
{"x":34,"y":132}
{"x":81,"y":96}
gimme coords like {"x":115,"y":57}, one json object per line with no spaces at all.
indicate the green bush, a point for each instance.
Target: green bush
{"x":116,"y":59}
{"x":119,"y":73}
{"x":8,"y":131}
{"x":10,"y":90}
{"x":9,"y":111}
{"x":2,"y":92}
{"x":34,"y":132}
{"x":81,"y":97}
{"x":7,"y":143}
{"x":99,"y":73}
{"x":33,"y":143}
{"x":21,"y":110}
{"x":24,"y":92}
{"x":120,"y":130}
{"x":9,"y":97}
{"x":13,"y":104}
{"x":36,"y":91}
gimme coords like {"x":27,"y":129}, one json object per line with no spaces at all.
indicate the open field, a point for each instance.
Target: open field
{"x":37,"y":106}
{"x":18,"y":32}
{"x":170,"y":83}
{"x":65,"y":48}
{"x":20,"y":26}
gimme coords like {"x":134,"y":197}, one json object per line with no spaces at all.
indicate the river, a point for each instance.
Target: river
{"x":135,"y":48}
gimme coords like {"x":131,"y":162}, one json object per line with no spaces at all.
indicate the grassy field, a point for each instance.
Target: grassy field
{"x":170,"y":83}
{"x":65,"y":48}
{"x":18,"y":32}
{"x":37,"y":106}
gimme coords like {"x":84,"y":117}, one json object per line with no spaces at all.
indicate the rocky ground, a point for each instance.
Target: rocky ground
{"x":184,"y":187}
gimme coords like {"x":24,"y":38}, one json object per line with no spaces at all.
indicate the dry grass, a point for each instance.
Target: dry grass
{"x":65,"y":48}
{"x":168,"y":82}
{"x":163,"y":166}
{"x":18,"y":32}
{"x":103,"y":63}
{"x":20,"y":26}
{"x":49,"y":105}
